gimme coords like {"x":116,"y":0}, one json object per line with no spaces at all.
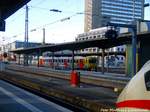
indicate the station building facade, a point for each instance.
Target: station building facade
{"x":116,"y":11}
{"x":13,"y":46}
{"x":17,"y":45}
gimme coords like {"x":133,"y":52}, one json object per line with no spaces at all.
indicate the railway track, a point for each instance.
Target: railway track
{"x":42,"y":86}
{"x":87,"y":79}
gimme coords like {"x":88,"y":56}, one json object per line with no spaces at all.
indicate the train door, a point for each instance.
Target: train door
{"x":92,"y":63}
{"x":86,"y":63}
{"x":65,"y":63}
{"x":50,"y":63}
{"x":41,"y":62}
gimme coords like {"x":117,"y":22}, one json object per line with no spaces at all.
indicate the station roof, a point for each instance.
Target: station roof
{"x":8,"y":7}
{"x":100,"y":43}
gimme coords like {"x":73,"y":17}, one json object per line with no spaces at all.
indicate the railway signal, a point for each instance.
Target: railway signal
{"x":111,"y":34}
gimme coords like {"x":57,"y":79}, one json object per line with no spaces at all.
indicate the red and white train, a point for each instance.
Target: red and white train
{"x":82,"y":63}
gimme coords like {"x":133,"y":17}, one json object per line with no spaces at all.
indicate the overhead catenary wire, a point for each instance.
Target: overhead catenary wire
{"x":18,"y":16}
{"x":53,"y":9}
{"x":11,"y":21}
{"x":45,"y":25}
{"x":39,"y":3}
{"x":41,"y":8}
{"x":60,"y":20}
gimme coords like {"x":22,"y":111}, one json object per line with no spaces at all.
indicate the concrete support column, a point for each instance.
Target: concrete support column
{"x":38,"y":59}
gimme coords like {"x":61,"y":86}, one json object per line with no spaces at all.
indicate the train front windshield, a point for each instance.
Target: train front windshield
{"x":92,"y":60}
{"x":147,"y":80}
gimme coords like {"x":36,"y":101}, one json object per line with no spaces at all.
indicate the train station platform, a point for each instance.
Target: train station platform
{"x":14,"y":99}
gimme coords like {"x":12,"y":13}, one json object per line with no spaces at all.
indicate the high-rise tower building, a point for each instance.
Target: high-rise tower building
{"x":117,"y":11}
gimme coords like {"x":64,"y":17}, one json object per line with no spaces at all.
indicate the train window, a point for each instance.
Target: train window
{"x":80,"y":60}
{"x":147,"y":80}
{"x":92,"y":60}
{"x":86,"y":61}
{"x":98,"y":36}
{"x":70,"y":61}
{"x":94,"y":50}
{"x":75,"y":61}
{"x":45,"y":60}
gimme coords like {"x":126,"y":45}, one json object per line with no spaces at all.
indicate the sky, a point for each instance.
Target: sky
{"x":40,"y":17}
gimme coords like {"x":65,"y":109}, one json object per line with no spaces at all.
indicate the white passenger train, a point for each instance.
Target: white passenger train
{"x":136,"y":95}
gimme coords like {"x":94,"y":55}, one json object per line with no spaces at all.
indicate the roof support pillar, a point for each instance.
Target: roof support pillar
{"x":108,"y":60}
{"x":103,"y":56}
{"x":98,"y":58}
{"x":38,"y":57}
{"x":53,"y":60}
{"x":38,"y":64}
{"x":73,"y":60}
{"x":134,"y":51}
{"x":25,"y":59}
{"x":19,"y":59}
